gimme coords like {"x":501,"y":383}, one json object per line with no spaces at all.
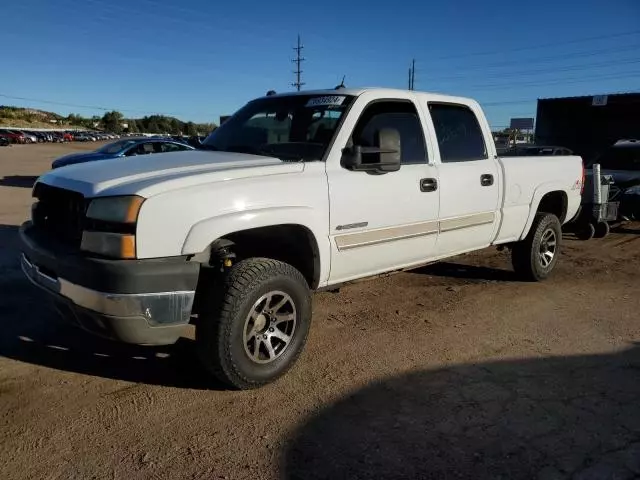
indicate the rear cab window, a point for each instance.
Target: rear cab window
{"x":460,"y":138}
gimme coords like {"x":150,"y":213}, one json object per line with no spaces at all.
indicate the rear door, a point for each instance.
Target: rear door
{"x":468,"y":180}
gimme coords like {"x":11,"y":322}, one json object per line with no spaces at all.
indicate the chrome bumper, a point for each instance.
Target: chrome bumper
{"x":158,"y":308}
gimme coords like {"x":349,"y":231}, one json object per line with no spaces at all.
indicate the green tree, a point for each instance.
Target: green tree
{"x":176,"y":126}
{"x":190,"y":129}
{"x":112,"y":121}
{"x":152,"y":126}
{"x":133,"y":126}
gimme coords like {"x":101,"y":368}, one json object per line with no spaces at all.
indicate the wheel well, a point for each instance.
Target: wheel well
{"x":293,"y":244}
{"x":556,"y":203}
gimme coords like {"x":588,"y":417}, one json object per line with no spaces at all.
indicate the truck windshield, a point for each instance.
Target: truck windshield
{"x":293,"y":127}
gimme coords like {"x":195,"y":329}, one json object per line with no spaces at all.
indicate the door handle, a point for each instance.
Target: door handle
{"x":428,"y":184}
{"x":486,"y":180}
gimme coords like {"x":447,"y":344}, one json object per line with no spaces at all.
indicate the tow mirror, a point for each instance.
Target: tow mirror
{"x":383,"y":158}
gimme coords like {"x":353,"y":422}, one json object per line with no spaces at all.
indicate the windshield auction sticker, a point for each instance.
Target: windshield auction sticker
{"x":328,"y":100}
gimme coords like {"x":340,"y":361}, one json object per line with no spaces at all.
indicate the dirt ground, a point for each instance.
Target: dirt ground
{"x":452,"y":371}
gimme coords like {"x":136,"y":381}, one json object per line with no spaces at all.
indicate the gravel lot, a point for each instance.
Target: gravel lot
{"x":452,"y":371}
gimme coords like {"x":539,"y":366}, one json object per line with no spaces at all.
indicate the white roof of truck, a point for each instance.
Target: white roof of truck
{"x":382,"y":92}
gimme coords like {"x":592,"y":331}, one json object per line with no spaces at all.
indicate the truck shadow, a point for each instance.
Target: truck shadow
{"x":468,"y":272}
{"x":21,"y":181}
{"x":549,"y":418}
{"x":33,"y":333}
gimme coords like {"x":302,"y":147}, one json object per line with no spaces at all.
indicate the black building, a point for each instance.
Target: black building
{"x":588,"y":125}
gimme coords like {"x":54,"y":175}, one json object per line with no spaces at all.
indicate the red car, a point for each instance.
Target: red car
{"x":67,"y":137}
{"x":14,"y":137}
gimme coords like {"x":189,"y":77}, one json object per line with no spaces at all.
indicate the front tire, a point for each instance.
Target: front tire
{"x":254,"y":325}
{"x":535,"y":257}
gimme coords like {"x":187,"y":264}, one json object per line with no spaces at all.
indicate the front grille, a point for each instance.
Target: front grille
{"x":59,"y":213}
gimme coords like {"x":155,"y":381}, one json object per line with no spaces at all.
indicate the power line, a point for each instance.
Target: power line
{"x":298,"y":61}
{"x":544,"y":71}
{"x":565,"y":81}
{"x":539,"y":46}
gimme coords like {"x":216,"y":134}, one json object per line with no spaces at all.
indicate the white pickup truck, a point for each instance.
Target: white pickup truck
{"x":294,"y":193}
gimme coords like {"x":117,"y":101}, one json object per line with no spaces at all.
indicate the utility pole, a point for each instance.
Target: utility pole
{"x":412,"y":75}
{"x":298,"y":60}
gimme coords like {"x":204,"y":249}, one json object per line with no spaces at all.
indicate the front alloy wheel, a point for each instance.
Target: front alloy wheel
{"x":255,"y":322}
{"x":269,"y":327}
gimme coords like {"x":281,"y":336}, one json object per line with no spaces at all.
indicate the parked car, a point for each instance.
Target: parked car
{"x":14,"y":136}
{"x":40,"y":136}
{"x":81,"y":137}
{"x":293,"y":193}
{"x":29,"y":137}
{"x":123,"y":148}
{"x":526,"y":150}
{"x":622,"y":162}
{"x":4,"y":142}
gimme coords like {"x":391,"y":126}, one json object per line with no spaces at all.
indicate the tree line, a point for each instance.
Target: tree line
{"x":115,"y":122}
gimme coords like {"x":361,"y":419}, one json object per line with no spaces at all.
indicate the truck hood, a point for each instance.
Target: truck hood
{"x":148,"y":175}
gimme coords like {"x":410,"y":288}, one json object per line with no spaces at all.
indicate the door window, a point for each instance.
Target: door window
{"x":401,"y":116}
{"x":460,"y":138}
{"x":172,"y":147}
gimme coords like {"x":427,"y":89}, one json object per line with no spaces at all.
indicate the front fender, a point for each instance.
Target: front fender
{"x":203,"y":233}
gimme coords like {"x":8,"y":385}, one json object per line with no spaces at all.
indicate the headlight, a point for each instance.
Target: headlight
{"x":117,"y":241}
{"x":635,"y":190}
{"x":115,"y":209}
{"x":116,"y":245}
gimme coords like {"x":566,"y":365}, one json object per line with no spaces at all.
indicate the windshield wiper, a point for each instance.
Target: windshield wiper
{"x":270,"y":152}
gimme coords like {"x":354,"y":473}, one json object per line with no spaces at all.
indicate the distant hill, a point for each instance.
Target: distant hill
{"x":19,"y":117}
{"x":31,"y":117}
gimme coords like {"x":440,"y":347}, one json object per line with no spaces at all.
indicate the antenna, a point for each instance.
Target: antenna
{"x":338,"y":87}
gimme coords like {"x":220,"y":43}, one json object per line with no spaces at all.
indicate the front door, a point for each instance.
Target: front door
{"x":469,"y":181}
{"x":379,"y":222}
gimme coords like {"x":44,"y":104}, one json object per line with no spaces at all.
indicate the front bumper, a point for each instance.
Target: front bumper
{"x":146,"y":302}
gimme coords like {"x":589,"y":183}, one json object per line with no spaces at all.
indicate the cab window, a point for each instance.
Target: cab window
{"x":460,"y":138}
{"x":401,"y":116}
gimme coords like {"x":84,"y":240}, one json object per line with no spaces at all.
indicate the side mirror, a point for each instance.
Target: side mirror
{"x":382,"y":158}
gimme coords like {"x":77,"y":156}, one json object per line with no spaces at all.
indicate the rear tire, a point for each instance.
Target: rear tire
{"x":254,"y":324}
{"x":586,"y":231}
{"x":601,"y":230}
{"x":535,"y":257}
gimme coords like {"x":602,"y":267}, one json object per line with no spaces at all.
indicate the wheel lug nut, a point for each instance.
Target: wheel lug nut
{"x":271,"y":329}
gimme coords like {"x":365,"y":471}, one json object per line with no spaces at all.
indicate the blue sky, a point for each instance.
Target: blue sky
{"x":198,"y":59}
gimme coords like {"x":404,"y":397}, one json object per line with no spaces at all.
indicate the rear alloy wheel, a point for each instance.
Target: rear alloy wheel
{"x":535,"y":257}
{"x":255,"y":324}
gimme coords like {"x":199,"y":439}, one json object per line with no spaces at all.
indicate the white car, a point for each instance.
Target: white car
{"x":30,"y":137}
{"x":294,"y":193}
